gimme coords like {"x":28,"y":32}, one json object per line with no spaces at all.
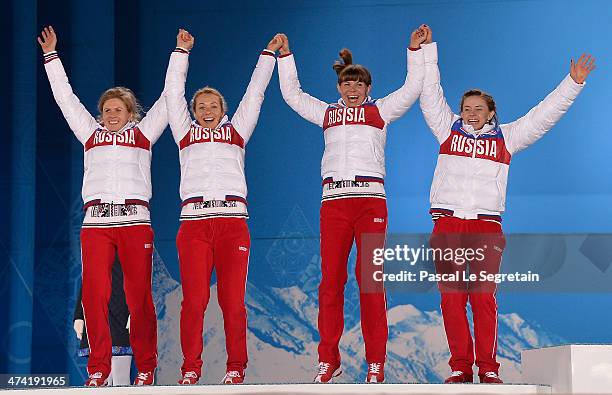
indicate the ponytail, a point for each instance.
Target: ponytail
{"x":347,"y":71}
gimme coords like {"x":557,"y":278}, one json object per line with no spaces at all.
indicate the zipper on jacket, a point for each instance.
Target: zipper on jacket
{"x":116,"y":157}
{"x":213,"y":168}
{"x":472,"y":189}
{"x":344,"y":140}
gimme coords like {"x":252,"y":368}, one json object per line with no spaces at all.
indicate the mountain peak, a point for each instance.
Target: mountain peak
{"x":402,"y":312}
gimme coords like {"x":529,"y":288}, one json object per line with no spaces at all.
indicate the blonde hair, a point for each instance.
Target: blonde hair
{"x":209,"y":90}
{"x":126,"y":96}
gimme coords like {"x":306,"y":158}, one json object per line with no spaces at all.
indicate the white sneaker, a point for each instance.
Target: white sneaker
{"x":327,"y":372}
{"x":145,"y":378}
{"x":233,"y":377}
{"x":189,"y":378}
{"x":96,"y":380}
{"x":376,"y":373}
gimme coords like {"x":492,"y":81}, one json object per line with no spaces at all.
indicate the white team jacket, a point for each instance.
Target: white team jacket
{"x":212,"y":161}
{"x":472,"y":170}
{"x":354,"y":137}
{"x":117,"y":164}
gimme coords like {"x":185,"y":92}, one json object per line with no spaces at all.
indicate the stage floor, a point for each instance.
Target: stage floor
{"x":300,"y":389}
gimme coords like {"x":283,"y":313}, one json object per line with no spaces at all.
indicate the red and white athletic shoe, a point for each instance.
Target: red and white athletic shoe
{"x":376,"y":373}
{"x":189,"y":378}
{"x":233,"y":377}
{"x":459,"y":377}
{"x":327,"y":372}
{"x":145,"y":378}
{"x":96,"y":379}
{"x":490,"y":378}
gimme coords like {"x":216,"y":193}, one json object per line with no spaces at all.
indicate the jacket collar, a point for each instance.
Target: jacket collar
{"x":343,"y":104}
{"x":486,"y":129}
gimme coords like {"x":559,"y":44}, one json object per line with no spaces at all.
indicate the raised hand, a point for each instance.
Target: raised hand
{"x":47,"y":39}
{"x":184,"y":39}
{"x":284,"y":49}
{"x":580,"y":70}
{"x":418,"y":37}
{"x":276,"y":43}
{"x":428,"y":36}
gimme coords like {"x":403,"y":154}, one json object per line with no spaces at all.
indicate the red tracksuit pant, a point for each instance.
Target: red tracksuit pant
{"x":222,"y":243}
{"x":342,"y":222}
{"x":456,"y":233}
{"x":134,"y":245}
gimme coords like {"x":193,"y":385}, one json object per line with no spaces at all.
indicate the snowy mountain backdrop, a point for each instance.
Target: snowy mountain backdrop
{"x":283,"y":336}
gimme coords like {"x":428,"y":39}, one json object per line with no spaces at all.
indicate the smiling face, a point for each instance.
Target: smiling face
{"x":476,"y":112}
{"x":115,"y":114}
{"x":118,"y":106}
{"x":208,"y":110}
{"x":354,"y":93}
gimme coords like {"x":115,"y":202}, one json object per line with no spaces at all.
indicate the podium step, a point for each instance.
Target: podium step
{"x":570,"y":369}
{"x":299,"y":389}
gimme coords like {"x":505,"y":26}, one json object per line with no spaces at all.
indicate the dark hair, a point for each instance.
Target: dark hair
{"x":347,"y":71}
{"x":483,"y":95}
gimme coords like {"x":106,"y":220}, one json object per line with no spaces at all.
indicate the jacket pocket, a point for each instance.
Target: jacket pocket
{"x":86,"y":174}
{"x":438,"y":181}
{"x":144,"y":167}
{"x":501,"y":198}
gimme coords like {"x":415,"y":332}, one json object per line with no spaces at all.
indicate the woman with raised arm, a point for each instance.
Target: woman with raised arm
{"x":213,"y":231}
{"x":468,"y":196}
{"x":116,"y":193}
{"x":353,"y":202}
